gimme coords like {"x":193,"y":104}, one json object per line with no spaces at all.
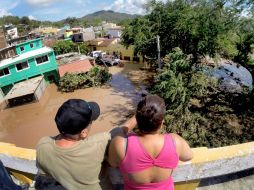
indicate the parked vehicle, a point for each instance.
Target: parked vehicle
{"x":96,"y":54}
{"x":107,"y":60}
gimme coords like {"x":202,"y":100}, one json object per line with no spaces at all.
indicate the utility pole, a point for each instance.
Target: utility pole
{"x":78,"y":49}
{"x":159,"y":51}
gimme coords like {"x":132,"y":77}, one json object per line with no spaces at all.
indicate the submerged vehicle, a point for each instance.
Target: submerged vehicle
{"x":108,"y":60}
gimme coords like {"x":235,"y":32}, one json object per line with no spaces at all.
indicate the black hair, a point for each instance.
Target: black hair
{"x":150,"y":114}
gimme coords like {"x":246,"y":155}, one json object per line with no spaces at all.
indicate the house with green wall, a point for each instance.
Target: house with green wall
{"x":31,"y":60}
{"x":29,"y":45}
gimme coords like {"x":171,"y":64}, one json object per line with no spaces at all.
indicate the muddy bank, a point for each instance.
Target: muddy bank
{"x":25,"y":125}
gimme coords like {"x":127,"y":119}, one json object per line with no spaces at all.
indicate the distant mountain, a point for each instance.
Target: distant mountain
{"x":109,"y":16}
{"x":93,"y":19}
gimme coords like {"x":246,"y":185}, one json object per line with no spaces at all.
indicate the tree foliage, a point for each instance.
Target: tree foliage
{"x":177,"y":82}
{"x":138,"y":33}
{"x":197,"y":109}
{"x":67,"y":46}
{"x":198,"y":27}
{"x":94,"y":77}
{"x":24,"y":24}
{"x":244,"y":46}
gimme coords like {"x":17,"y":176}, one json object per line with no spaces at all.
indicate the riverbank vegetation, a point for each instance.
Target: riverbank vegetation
{"x":189,"y":31}
{"x":215,"y":28}
{"x":198,"y":110}
{"x":96,"y":76}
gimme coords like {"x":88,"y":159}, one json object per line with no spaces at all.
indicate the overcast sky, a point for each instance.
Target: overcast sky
{"x":54,"y":10}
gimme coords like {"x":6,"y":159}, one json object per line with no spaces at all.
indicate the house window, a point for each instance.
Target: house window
{"x":21,"y":66}
{"x":31,"y":45}
{"x":135,"y":58}
{"x":4,"y":72}
{"x":127,"y":58}
{"x":22,"y":48}
{"x":42,"y":59}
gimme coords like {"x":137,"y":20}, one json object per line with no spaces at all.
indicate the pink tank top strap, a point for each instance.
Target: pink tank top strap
{"x":128,"y":165}
{"x":170,"y":144}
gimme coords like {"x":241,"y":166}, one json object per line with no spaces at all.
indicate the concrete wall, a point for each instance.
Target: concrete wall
{"x":206,"y":163}
{"x":2,"y":102}
{"x":115,"y":33}
{"x":7,"y":53}
{"x":3,"y":43}
{"x":67,"y":34}
{"x":118,"y":48}
{"x":1,"y":95}
{"x":83,"y":37}
{"x":40,"y":89}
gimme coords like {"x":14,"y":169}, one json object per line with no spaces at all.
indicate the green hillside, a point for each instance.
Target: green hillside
{"x":25,"y":25}
{"x":109,"y":16}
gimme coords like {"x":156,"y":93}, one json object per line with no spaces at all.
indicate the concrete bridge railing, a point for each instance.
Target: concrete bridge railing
{"x":206,"y":163}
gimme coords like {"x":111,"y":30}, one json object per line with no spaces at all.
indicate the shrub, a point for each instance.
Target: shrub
{"x":197,"y":110}
{"x":94,"y":77}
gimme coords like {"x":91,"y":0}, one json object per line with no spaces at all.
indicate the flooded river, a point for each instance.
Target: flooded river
{"x":25,"y":125}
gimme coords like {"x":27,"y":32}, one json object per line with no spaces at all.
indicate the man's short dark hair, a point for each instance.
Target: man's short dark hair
{"x":150,"y":113}
{"x":75,"y":115}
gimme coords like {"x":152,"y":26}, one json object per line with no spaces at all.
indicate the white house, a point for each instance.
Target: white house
{"x":107,"y":25}
{"x":115,"y":32}
{"x":11,"y":31}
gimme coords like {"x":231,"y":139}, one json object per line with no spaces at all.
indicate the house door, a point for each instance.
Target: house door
{"x":51,"y":78}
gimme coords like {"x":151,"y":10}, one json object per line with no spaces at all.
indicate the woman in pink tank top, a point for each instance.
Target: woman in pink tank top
{"x":147,"y":159}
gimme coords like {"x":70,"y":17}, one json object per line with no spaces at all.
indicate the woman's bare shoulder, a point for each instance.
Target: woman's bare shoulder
{"x":176,"y":137}
{"x":119,"y":140}
{"x":117,"y":150}
{"x":183,"y":149}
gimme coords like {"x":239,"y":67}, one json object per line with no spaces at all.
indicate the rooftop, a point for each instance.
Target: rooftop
{"x":24,"y":88}
{"x":106,"y":42}
{"x":116,"y":28}
{"x":29,"y":41}
{"x":75,"y":67}
{"x":103,"y":42}
{"x":24,"y":56}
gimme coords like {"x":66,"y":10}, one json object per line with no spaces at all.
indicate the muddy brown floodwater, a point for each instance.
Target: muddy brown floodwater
{"x":25,"y":125}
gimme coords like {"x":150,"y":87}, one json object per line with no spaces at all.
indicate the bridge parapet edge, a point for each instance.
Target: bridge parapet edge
{"x":206,"y":163}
